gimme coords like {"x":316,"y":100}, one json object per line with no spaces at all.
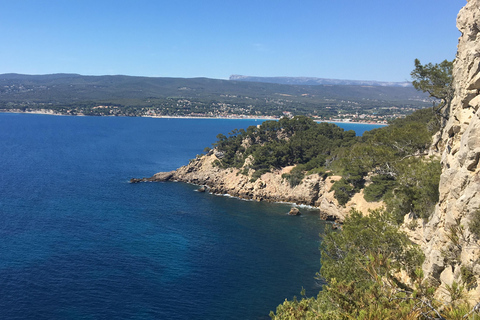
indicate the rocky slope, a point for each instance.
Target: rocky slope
{"x":313,"y":191}
{"x":448,"y":244}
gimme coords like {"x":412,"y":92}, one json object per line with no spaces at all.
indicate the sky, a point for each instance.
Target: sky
{"x":337,"y":39}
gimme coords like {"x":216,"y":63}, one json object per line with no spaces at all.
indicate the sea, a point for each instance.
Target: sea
{"x":78,"y":241}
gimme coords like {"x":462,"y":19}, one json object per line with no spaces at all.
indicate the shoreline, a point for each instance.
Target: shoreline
{"x":228,"y":195}
{"x":52,"y":113}
{"x":313,"y":193}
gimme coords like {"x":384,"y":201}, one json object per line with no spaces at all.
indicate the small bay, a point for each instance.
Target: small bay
{"x":80,"y":242}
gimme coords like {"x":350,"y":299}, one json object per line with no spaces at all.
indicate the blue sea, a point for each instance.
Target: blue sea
{"x":80,"y":242}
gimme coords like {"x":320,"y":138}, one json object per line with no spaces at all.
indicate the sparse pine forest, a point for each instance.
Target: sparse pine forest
{"x":393,"y":158}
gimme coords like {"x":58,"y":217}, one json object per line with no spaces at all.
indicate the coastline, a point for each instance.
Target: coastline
{"x":314,"y":191}
{"x":355,"y":122}
{"x":53,"y":113}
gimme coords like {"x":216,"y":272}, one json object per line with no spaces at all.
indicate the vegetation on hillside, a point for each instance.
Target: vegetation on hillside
{"x":371,"y":269}
{"x":143,"y":96}
{"x":393,"y":158}
{"x":364,"y":266}
{"x":298,"y":141}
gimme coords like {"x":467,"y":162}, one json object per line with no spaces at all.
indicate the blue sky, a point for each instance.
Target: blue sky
{"x":340,"y":39}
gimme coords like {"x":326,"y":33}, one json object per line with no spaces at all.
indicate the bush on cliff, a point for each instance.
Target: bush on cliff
{"x":294,"y":178}
{"x":343,"y":191}
{"x":474,"y":224}
{"x":394,"y":156}
{"x":381,"y":184}
{"x":345,"y":254}
{"x":416,"y":188}
{"x":361,"y":265}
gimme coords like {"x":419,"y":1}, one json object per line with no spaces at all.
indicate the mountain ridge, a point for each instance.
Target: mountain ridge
{"x":161,"y":96}
{"x":313,"y":81}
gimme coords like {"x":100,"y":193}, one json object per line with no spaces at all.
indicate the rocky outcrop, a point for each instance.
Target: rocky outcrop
{"x":294,"y":211}
{"x":161,"y":176}
{"x":445,"y":238}
{"x":314,"y":190}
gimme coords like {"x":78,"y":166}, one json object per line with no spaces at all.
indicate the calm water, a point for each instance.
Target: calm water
{"x":79,"y":242}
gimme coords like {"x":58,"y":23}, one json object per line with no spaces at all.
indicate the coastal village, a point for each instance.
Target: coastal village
{"x":383,"y":116}
{"x":205,"y":98}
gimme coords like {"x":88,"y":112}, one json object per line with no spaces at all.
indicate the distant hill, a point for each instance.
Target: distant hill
{"x":308,"y":81}
{"x":68,"y":87}
{"x":131,"y":95}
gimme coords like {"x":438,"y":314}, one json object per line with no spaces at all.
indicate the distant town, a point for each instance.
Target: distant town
{"x":70,"y":94}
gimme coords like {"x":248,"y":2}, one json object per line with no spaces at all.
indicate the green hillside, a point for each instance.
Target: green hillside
{"x":127,"y":95}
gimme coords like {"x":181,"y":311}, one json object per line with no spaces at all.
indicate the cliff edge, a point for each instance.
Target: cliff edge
{"x":451,"y":249}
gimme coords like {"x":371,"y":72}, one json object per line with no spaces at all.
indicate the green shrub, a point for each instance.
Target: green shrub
{"x":343,"y":254}
{"x":359,"y":264}
{"x":294,"y":178}
{"x":468,"y":277}
{"x":380,"y":185}
{"x":343,"y":191}
{"x":474,"y":224}
{"x":416,"y":188}
{"x":320,"y":171}
{"x":258,"y":173}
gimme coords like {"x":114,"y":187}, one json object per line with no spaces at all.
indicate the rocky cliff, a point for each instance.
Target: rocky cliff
{"x":450,"y":248}
{"x":314,"y":190}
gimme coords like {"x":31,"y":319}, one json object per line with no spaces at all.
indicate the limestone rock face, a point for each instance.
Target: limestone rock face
{"x":460,"y":179}
{"x":314,"y":190}
{"x":269,"y":187}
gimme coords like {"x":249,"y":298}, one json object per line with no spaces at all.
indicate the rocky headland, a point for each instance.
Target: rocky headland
{"x":314,"y":190}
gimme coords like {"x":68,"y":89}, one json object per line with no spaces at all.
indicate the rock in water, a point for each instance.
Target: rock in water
{"x":158,"y":177}
{"x":327,"y":217}
{"x":294,"y":212}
